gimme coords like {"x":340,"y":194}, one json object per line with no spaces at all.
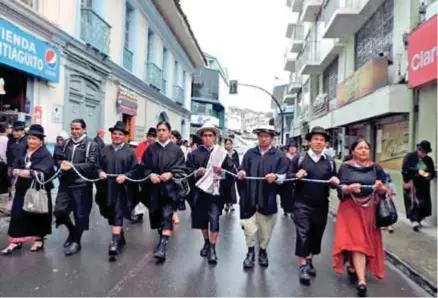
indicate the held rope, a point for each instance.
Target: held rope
{"x":184,"y":178}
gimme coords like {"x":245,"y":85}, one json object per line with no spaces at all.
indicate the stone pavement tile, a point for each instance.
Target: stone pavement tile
{"x":417,"y":249}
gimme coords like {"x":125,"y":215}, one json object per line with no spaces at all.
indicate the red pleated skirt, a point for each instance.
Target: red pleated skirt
{"x":356,"y":231}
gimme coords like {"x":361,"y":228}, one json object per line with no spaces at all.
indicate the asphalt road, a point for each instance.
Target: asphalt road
{"x":185,"y":273}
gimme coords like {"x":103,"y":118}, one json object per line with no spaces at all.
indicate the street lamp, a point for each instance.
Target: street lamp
{"x":233,"y":90}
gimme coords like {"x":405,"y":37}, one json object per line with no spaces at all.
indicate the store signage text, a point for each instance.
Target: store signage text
{"x":423,"y":54}
{"x":22,"y":51}
{"x":370,"y":77}
{"x":127,"y":102}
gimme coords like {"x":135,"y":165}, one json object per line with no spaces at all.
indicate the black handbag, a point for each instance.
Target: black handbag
{"x":386,"y":213}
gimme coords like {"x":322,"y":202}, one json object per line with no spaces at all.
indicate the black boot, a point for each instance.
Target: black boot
{"x":113,"y":250}
{"x":304,"y":275}
{"x":74,"y":248}
{"x":263,"y":258}
{"x":212,"y":257}
{"x":310,"y":269}
{"x":205,"y":248}
{"x":362,"y":290}
{"x":160,"y":251}
{"x":69,"y":240}
{"x":248,"y":263}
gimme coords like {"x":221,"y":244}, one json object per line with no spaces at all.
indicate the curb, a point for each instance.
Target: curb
{"x":406,"y":269}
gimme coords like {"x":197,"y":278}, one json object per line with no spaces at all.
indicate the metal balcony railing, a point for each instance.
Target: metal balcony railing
{"x":154,"y":75}
{"x":309,"y":54}
{"x":127,"y":59}
{"x":94,"y":30}
{"x":178,"y":95}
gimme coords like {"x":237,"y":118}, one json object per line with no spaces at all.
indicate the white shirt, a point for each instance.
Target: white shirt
{"x":164,"y":144}
{"x":315,"y":157}
{"x":3,"y":147}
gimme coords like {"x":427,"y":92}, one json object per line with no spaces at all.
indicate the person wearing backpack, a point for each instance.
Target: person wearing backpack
{"x":76,"y":194}
{"x":311,"y":202}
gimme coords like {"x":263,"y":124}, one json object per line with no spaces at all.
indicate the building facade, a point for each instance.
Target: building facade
{"x":349,"y":62}
{"x":209,"y":91}
{"x":285,"y":99}
{"x":131,"y":61}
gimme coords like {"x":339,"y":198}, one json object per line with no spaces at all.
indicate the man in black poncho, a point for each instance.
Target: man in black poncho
{"x":76,"y":194}
{"x":311,"y":199}
{"x":115,"y":195}
{"x":207,"y":187}
{"x":165,"y":162}
{"x":17,"y":146}
{"x":258,"y":198}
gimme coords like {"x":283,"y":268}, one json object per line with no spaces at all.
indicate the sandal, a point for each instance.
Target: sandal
{"x":37,"y":246}
{"x":11,"y":247}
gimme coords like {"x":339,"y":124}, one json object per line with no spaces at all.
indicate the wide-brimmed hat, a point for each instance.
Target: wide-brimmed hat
{"x":425,"y":146}
{"x":36,"y":130}
{"x":152,"y":132}
{"x":120,"y":126}
{"x":269,"y":129}
{"x":318,"y":130}
{"x":207,"y":126}
{"x":18,"y":125}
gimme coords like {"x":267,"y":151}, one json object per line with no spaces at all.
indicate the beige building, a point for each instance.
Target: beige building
{"x":112,"y":60}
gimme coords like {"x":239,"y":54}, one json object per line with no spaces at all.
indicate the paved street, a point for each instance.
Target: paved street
{"x":185,"y":273}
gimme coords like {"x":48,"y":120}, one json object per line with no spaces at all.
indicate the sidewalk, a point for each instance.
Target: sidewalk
{"x":414,"y":253}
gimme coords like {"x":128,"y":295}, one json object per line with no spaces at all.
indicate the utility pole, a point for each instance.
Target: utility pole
{"x":233,"y":90}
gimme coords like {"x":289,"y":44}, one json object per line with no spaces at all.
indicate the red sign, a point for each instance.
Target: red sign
{"x":423,"y":54}
{"x":38,"y":115}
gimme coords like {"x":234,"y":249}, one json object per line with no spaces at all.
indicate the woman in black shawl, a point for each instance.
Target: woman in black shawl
{"x":25,"y":226}
{"x":230,"y":197}
{"x":418,"y":170}
{"x":164,"y":161}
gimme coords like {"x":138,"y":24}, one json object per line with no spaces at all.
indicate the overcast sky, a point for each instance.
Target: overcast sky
{"x":248,"y":38}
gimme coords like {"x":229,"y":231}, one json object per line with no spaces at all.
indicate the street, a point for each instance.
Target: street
{"x":184,"y":273}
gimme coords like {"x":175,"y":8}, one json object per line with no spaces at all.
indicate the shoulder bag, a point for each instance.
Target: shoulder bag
{"x":36,"y":200}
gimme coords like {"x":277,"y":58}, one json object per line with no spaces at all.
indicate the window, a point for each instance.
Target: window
{"x":31,"y":3}
{"x":128,"y":20}
{"x":150,"y":54}
{"x":87,"y":3}
{"x":330,"y":80}
{"x":376,"y":35}
{"x":205,"y":83}
{"x":176,"y":74}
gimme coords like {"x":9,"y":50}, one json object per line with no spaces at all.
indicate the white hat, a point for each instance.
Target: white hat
{"x":207,"y":126}
{"x":269,"y":129}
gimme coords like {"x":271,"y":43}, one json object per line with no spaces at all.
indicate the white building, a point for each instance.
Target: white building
{"x":348,"y":62}
{"x":99,"y":60}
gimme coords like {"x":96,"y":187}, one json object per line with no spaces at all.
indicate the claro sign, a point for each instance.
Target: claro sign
{"x":423,"y":54}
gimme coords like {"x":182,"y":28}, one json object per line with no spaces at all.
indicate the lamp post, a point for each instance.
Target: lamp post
{"x":233,"y":90}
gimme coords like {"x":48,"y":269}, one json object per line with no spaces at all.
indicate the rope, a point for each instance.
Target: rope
{"x":185,"y":178}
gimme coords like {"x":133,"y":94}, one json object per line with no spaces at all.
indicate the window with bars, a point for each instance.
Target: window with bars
{"x":376,"y":35}
{"x":330,"y":80}
{"x":128,"y":17}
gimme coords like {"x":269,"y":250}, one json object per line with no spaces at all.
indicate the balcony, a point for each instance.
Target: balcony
{"x":297,"y":5}
{"x":290,"y":29}
{"x":311,"y":9}
{"x":154,"y":75}
{"x":289,"y":60}
{"x":94,"y":30}
{"x":127,"y":59}
{"x":294,"y":83}
{"x":329,"y":49}
{"x":178,"y":95}
{"x":308,"y":61}
{"x":343,"y":18}
{"x":297,"y":39}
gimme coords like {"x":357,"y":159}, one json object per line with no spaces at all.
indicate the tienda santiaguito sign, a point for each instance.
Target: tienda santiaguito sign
{"x":25,"y":52}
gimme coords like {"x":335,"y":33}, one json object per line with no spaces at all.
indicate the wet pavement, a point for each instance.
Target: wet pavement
{"x":185,"y":273}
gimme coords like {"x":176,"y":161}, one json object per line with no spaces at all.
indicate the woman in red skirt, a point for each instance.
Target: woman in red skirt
{"x":358,"y":241}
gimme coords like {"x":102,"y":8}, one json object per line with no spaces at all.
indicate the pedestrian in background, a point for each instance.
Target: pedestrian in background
{"x":99,"y":139}
{"x":25,"y":226}
{"x":286,"y":189}
{"x":230,"y":196}
{"x":418,"y":170}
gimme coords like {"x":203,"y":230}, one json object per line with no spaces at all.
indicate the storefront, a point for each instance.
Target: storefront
{"x":127,"y":104}
{"x":422,"y":55}
{"x":28,"y":68}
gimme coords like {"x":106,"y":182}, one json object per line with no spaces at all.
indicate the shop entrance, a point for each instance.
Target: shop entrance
{"x":14,"y":104}
{"x":83,"y":102}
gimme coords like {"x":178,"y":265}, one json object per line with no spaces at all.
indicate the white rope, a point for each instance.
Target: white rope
{"x":186,"y":177}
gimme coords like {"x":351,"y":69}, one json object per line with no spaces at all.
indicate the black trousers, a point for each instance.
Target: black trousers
{"x":206,"y":212}
{"x":77,"y":200}
{"x":310,"y":223}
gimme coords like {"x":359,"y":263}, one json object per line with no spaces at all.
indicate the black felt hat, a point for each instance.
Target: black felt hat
{"x":152,"y":132}
{"x":18,"y":125}
{"x":120,"y":126}
{"x":425,"y":146}
{"x":317,"y":130}
{"x":36,"y":130}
